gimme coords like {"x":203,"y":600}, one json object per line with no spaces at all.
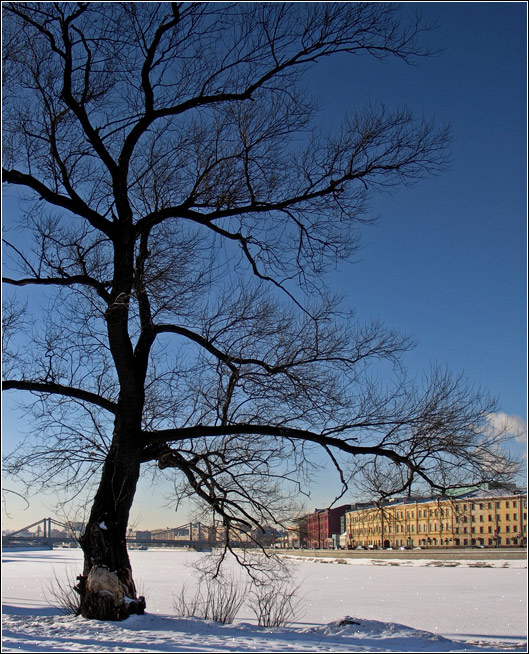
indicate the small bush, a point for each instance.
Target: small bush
{"x":217,"y":599}
{"x":271,"y":594}
{"x":275,"y":603}
{"x":62,"y":596}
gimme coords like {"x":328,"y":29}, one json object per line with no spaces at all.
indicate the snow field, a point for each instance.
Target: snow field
{"x":435,"y":601}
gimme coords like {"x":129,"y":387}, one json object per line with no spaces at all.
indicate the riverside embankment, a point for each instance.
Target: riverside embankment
{"x":473,"y":554}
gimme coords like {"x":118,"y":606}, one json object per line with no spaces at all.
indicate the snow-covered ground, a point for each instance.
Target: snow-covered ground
{"x":392,"y":606}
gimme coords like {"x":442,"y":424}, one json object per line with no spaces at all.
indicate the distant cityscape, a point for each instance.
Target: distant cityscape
{"x":490,"y":516}
{"x":51,"y":531}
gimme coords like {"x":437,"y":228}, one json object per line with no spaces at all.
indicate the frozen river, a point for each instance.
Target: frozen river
{"x":474,"y":601}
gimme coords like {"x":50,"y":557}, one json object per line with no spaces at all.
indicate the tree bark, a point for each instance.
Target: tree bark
{"x":106,"y":587}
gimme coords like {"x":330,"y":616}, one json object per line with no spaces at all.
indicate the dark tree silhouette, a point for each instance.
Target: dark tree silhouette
{"x":180,"y":207}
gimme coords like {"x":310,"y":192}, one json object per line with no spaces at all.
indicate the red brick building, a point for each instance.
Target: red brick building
{"x":322,"y":524}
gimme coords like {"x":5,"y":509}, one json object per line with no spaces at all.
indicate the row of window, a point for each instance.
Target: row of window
{"x":369,"y":531}
{"x":374,"y":516}
{"x":497,"y":505}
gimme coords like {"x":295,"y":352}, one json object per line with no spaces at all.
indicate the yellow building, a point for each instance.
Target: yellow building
{"x":488,"y":518}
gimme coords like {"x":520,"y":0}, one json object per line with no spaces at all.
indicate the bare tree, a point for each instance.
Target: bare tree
{"x":179,"y":207}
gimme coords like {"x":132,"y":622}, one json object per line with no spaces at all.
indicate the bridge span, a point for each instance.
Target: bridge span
{"x":49,"y":532}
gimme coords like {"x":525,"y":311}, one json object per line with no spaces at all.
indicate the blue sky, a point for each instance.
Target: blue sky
{"x":446,"y":261}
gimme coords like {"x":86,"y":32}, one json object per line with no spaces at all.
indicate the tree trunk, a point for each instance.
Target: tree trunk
{"x":106,"y":587}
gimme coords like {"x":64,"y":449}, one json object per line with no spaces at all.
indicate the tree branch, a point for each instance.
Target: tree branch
{"x":59,"y":389}
{"x":72,"y":280}
{"x":164,"y":436}
{"x":77,"y":206}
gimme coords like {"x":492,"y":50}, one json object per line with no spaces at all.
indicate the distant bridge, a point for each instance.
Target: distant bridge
{"x":43,"y":535}
{"x":49,"y":532}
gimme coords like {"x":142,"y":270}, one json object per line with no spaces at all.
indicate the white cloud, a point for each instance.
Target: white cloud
{"x":502,"y":424}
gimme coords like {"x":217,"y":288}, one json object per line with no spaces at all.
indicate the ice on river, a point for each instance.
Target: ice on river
{"x":390,"y":606}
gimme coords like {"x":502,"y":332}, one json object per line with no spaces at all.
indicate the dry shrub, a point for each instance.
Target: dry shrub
{"x":275,"y":603}
{"x":270,"y":591}
{"x":216,"y":598}
{"x":61,"y":595}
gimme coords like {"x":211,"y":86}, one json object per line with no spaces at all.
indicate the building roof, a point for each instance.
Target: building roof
{"x":486,"y":491}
